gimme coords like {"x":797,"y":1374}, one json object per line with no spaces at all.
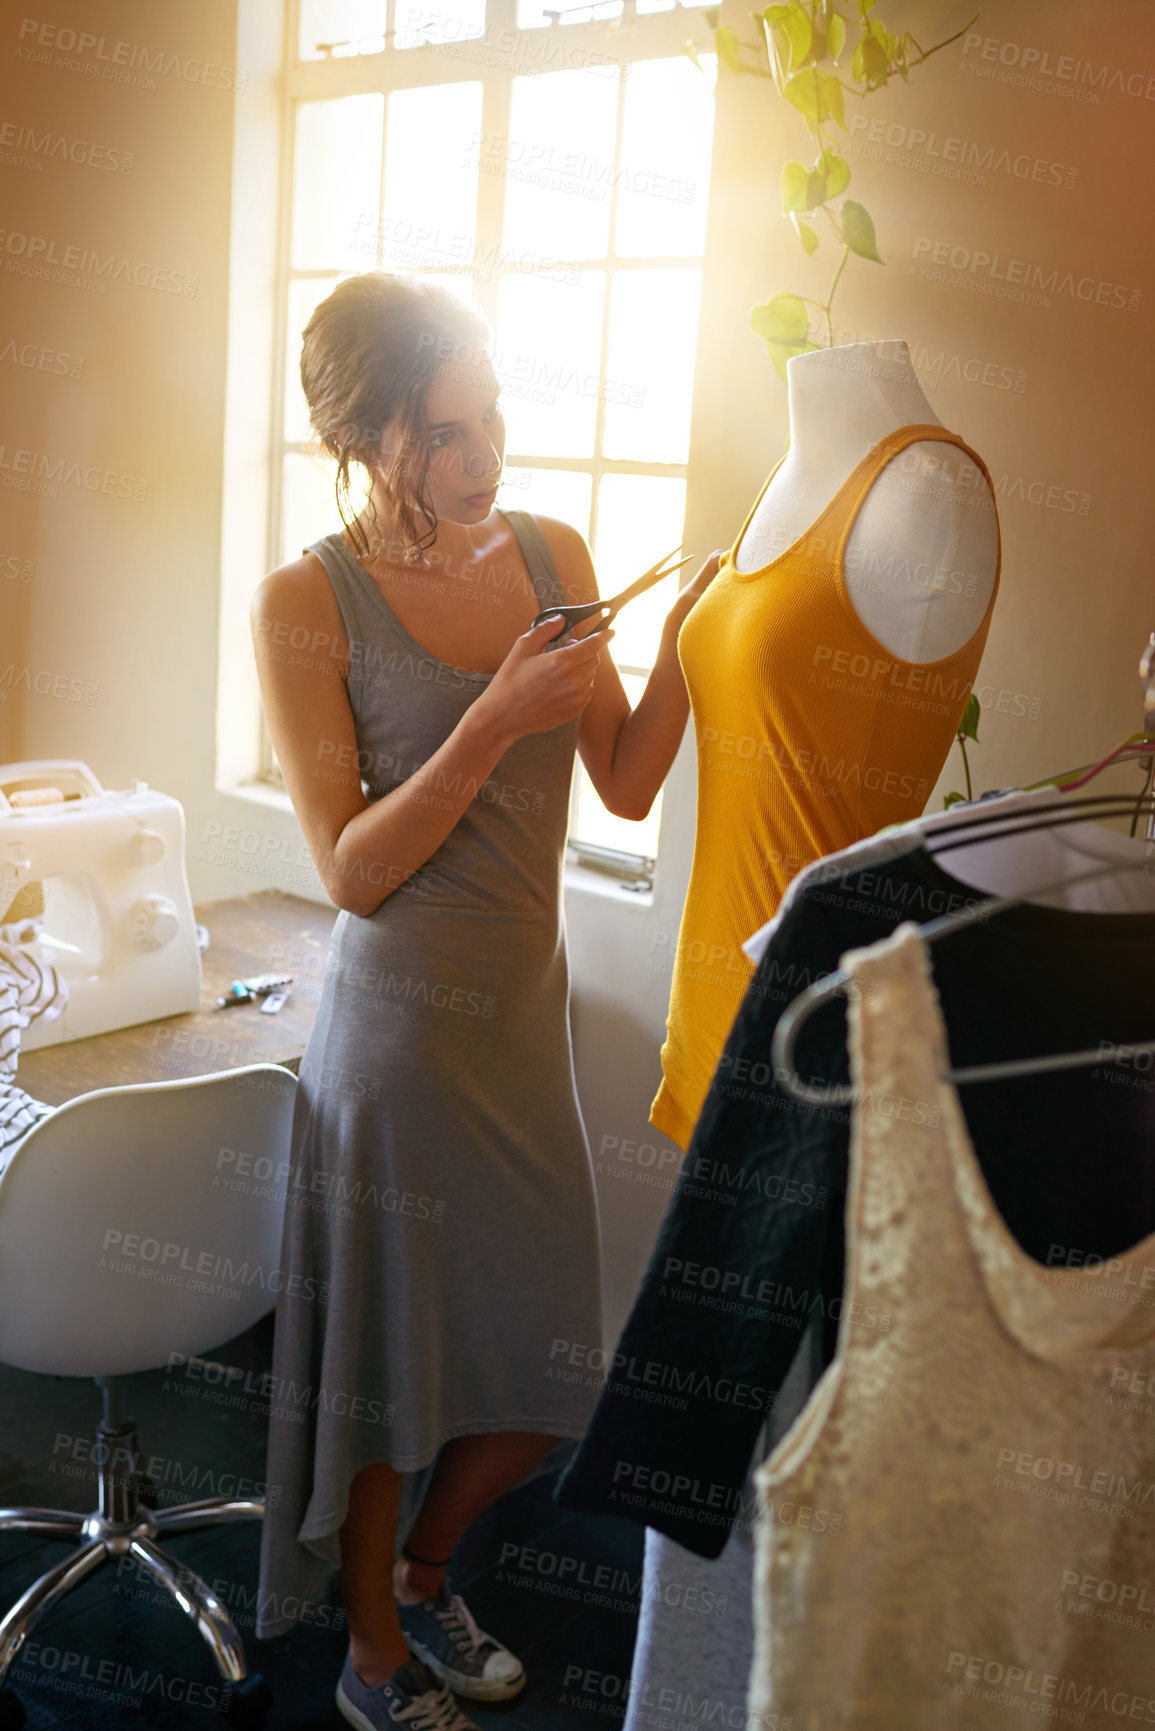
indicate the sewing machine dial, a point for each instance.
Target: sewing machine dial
{"x":155,"y":921}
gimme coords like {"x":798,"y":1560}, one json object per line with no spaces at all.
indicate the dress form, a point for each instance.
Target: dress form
{"x":921,"y":558}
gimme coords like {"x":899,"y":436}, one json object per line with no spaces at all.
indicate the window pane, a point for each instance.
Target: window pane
{"x":462,"y":285}
{"x":531,"y":13}
{"x":430,"y":203}
{"x":563,"y":493}
{"x":452,"y":21}
{"x":341,"y":27}
{"x":336,"y":181}
{"x":665,"y":170}
{"x":304,"y":297}
{"x":640,"y":517}
{"x":308,"y":502}
{"x":593,"y":823}
{"x":548,"y":352}
{"x":558,"y":163}
{"x":650,"y":369}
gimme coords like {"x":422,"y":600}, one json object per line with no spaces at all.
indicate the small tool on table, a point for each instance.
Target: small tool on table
{"x":274,"y":988}
{"x":574,"y":615}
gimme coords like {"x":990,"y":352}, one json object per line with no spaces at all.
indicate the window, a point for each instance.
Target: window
{"x":556,"y":173}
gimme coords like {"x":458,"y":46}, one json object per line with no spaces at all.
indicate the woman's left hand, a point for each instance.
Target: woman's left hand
{"x":702,"y":578}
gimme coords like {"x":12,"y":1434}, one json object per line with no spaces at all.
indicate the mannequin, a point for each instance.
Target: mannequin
{"x":921,"y":559}
{"x":793,"y":765}
{"x":829,"y":664}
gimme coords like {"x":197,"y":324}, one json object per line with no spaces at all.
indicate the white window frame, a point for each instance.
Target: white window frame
{"x":729,"y":390}
{"x":644,"y":36}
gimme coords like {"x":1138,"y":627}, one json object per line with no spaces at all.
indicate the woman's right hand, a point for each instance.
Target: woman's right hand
{"x":536,"y":689}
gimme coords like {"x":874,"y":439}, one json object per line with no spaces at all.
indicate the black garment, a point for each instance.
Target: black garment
{"x":753,"y":1240}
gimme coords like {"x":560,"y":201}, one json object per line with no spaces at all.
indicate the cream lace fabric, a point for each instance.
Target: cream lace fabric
{"x":959,"y":1530}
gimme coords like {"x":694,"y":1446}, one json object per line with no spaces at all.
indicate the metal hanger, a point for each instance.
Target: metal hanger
{"x":796,"y":1014}
{"x":1137,"y":747}
{"x":991,"y":825}
{"x":979,"y":826}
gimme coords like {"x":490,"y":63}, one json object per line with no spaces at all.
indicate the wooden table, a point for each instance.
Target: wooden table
{"x":268,"y":932}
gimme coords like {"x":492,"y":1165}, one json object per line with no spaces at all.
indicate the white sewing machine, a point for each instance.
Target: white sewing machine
{"x":94,"y":882}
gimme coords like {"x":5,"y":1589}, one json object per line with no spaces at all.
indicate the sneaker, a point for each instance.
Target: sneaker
{"x":412,"y":1696}
{"x":443,"y":1633}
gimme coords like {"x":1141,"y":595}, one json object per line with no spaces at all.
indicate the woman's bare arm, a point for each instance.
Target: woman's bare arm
{"x":365,"y":851}
{"x":627,"y":752}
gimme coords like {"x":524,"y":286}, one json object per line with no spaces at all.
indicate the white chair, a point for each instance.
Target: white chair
{"x":117,"y":1249}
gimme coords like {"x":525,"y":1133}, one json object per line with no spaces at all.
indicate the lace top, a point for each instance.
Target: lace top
{"x":959,"y":1530}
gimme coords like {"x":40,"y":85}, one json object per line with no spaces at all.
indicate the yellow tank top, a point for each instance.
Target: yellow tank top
{"x":810,"y":736}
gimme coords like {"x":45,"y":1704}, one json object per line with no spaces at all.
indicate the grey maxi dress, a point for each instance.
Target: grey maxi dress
{"x":441,"y":1247}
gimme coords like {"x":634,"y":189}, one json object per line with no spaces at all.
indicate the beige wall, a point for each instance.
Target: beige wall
{"x":123,"y":592}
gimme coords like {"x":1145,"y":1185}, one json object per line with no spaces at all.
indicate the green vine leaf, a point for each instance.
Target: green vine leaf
{"x":772,"y":23}
{"x":804,"y":90}
{"x":781,"y":319}
{"x":795,"y":187}
{"x":784,"y":326}
{"x":835,"y":170}
{"x":949,"y":799}
{"x":802,"y":188}
{"x":779,"y":52}
{"x":869,"y":64}
{"x":711,"y":14}
{"x":726,"y":43}
{"x":801,"y":40}
{"x":858,"y":230}
{"x":833,"y":98}
{"x":968,"y":727}
{"x":691,"y":52}
{"x":797,"y":29}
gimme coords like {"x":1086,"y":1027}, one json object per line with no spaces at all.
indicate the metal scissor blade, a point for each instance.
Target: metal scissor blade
{"x":648,"y":579}
{"x":609,"y":609}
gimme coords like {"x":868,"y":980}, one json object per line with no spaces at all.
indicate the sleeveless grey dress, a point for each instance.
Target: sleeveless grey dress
{"x":441,"y":1230}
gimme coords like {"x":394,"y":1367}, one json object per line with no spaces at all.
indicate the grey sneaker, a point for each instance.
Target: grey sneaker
{"x":412,"y":1696}
{"x":443,"y":1633}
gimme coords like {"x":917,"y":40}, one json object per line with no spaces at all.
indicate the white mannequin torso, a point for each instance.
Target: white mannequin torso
{"x":922,"y":555}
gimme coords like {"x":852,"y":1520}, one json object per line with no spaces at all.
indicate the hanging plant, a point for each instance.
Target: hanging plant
{"x":968,"y":728}
{"x":805,"y":50}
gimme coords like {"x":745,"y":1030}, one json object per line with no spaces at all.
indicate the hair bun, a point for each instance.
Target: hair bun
{"x":366,"y":367}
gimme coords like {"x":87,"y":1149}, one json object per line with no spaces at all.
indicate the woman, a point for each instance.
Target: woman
{"x":444,"y":1236}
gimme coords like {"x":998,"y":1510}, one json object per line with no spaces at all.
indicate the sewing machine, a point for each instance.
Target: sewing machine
{"x":94,"y":882}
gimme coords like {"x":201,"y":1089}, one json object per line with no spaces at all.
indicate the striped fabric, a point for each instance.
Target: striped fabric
{"x":29,"y":990}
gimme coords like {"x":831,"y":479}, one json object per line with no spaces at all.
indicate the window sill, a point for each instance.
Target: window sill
{"x":585,"y":882}
{"x":574,"y":877}
{"x":260,"y":793}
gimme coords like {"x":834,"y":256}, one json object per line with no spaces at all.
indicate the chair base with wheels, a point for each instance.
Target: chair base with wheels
{"x":84,"y":1192}
{"x":123,"y":1526}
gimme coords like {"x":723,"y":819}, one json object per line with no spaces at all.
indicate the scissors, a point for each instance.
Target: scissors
{"x":574,"y":615}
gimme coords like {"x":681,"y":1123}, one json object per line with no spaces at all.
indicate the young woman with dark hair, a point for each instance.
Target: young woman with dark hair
{"x":441,"y":1235}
